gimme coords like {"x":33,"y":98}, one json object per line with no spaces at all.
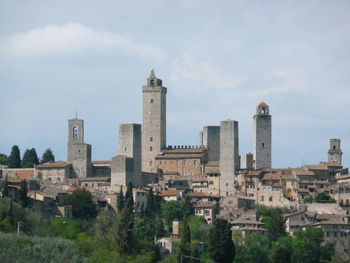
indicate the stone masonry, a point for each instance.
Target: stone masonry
{"x":262,"y":137}
{"x":335,"y":153}
{"x":210,"y":138}
{"x":229,"y":156}
{"x":154,"y":122}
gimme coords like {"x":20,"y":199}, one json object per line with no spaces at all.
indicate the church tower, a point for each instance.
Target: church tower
{"x":79,"y":153}
{"x":262,"y":137}
{"x":335,"y":153}
{"x":154,"y":122}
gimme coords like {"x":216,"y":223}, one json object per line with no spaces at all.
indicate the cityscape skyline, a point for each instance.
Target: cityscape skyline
{"x":95,"y":59}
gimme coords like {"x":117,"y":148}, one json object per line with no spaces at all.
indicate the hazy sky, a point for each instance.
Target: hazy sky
{"x":218,"y":59}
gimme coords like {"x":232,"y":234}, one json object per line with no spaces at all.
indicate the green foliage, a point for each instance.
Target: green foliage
{"x":11,"y":213}
{"x":120,"y":200}
{"x":324,"y":198}
{"x":276,"y":224}
{"x":3,"y":159}
{"x":82,"y":204}
{"x":220,"y":245}
{"x":188,"y":208}
{"x":47,"y":156}
{"x":282,"y":250}
{"x":255,"y":249}
{"x":150,"y":209}
{"x":14,"y":159}
{"x":199,"y":228}
{"x":174,"y":210}
{"x":25,"y":249}
{"x":308,"y":199}
{"x":144,"y":230}
{"x":23,"y":194}
{"x":307,"y":246}
{"x":5,"y":190}
{"x":30,"y":158}
{"x":64,"y":227}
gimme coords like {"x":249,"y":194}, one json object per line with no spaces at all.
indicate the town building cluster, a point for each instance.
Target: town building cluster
{"x":219,"y":181}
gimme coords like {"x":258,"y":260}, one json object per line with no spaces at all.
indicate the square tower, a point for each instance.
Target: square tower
{"x":262,"y":137}
{"x":130,"y":146}
{"x":334,"y":152}
{"x":229,"y":156}
{"x":154,"y":122}
{"x":79,"y":153}
{"x":210,"y":138}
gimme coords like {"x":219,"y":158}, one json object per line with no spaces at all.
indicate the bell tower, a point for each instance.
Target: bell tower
{"x":334,"y":152}
{"x":154,"y":121}
{"x":262,"y":137}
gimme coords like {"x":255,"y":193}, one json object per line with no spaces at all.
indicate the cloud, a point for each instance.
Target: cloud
{"x":72,"y":38}
{"x":188,"y":68}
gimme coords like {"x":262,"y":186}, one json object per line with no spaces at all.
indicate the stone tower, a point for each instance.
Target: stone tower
{"x":210,"y":138}
{"x":334,"y":152}
{"x":262,"y":137}
{"x":229,"y":156}
{"x":154,"y":121}
{"x":79,"y":153}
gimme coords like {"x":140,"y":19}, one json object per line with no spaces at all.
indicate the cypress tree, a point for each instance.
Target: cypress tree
{"x":185,"y":244}
{"x":5,"y":192}
{"x":220,"y":245}
{"x":47,"y":156}
{"x":3,"y":159}
{"x":150,"y":205}
{"x":30,"y":158}
{"x":120,"y":201}
{"x":23,"y":194}
{"x":14,"y":160}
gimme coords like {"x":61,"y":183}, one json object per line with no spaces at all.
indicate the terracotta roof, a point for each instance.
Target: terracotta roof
{"x":58,"y":164}
{"x":262,"y":104}
{"x":331,"y":222}
{"x":22,"y":175}
{"x":97,"y":178}
{"x":201,"y":194}
{"x":101,"y":162}
{"x":302,"y":172}
{"x":272,"y":177}
{"x":171,"y":192}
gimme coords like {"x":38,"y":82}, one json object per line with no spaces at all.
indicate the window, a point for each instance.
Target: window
{"x":125,"y":149}
{"x":151,"y":101}
{"x":151,"y":139}
{"x":195,"y":162}
{"x":263,"y":144}
{"x":270,"y":198}
{"x":151,"y":148}
{"x":261,"y":198}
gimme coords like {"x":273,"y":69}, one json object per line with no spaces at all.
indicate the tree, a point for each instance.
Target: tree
{"x":282,"y":250}
{"x":276,"y":224}
{"x":150,"y":209}
{"x":220,"y":245}
{"x":188,"y":207}
{"x":47,"y":156}
{"x":30,"y":158}
{"x":199,"y":228}
{"x":172,"y":210}
{"x":324,"y":198}
{"x":5,"y":191}
{"x":185,"y":244}
{"x":23,"y":194}
{"x":3,"y":159}
{"x":14,"y":160}
{"x":307,"y":246}
{"x":82,"y":204}
{"x":254,"y":249}
{"x":120,"y":200}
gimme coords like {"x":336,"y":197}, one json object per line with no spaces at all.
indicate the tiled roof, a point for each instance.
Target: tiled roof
{"x":58,"y":164}
{"x":171,"y":192}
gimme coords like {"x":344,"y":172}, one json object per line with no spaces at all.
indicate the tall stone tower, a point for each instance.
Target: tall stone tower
{"x":335,"y":153}
{"x":229,"y":156}
{"x":262,"y":137}
{"x":79,"y":153}
{"x":210,"y":138}
{"x":154,"y":121}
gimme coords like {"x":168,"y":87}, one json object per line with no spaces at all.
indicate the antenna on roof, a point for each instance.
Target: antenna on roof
{"x":76,"y":115}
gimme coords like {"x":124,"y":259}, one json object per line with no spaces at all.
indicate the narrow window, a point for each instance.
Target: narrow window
{"x":151,"y":139}
{"x":151,"y":148}
{"x":263,"y":144}
{"x":151,"y":100}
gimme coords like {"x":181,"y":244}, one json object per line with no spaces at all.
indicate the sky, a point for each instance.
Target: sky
{"x":218,"y":59}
